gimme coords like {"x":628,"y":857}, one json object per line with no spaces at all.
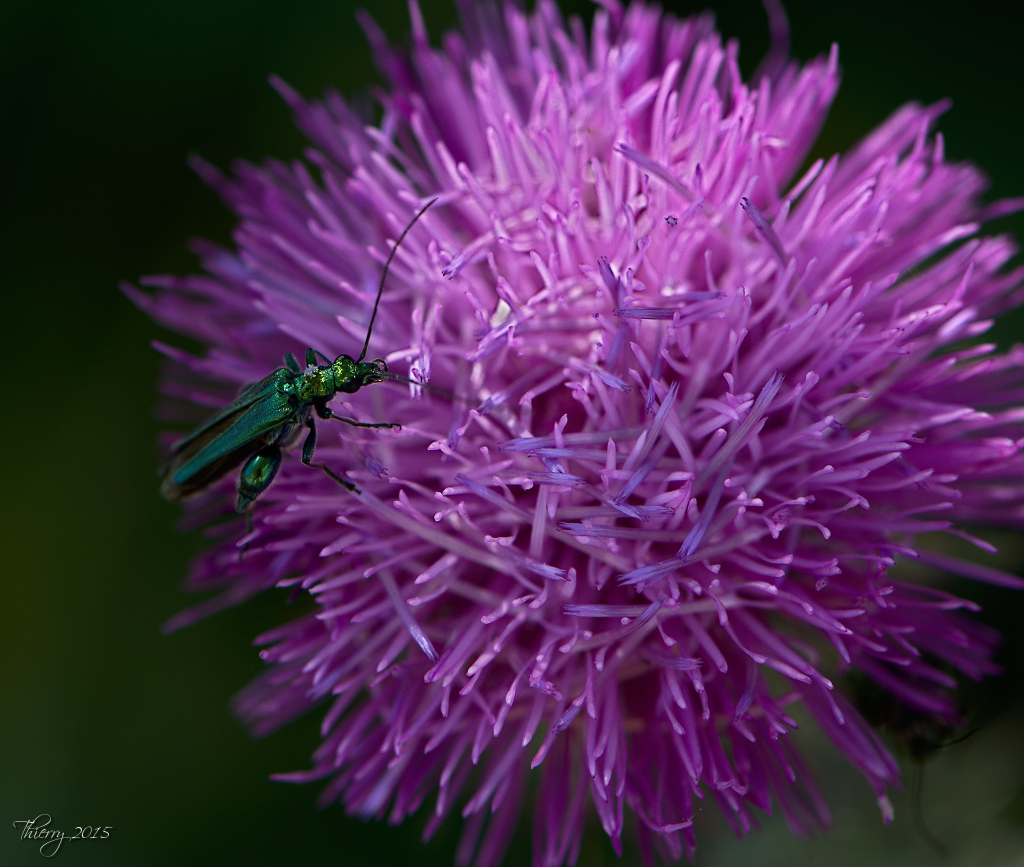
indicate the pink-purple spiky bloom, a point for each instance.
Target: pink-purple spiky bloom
{"x":702,"y":405}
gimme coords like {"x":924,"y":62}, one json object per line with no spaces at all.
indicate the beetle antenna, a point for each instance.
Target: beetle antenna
{"x":443,"y":392}
{"x":384,"y":274}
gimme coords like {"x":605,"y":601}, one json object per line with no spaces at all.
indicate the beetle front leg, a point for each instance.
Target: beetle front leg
{"x":326,"y":413}
{"x":309,"y":446}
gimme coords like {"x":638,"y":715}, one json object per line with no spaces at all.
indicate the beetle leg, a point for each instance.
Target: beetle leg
{"x":293,"y":365}
{"x":257,"y":474}
{"x":309,"y":446}
{"x":248,"y":533}
{"x":325,"y":413}
{"x":311,"y":355}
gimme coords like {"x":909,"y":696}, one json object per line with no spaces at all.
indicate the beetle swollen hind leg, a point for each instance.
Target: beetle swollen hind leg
{"x":257,"y":474}
{"x":309,"y":446}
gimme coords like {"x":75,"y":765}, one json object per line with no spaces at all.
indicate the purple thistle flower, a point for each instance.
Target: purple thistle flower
{"x":703,"y":403}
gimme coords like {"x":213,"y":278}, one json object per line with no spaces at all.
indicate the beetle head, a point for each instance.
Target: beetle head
{"x":351,"y":375}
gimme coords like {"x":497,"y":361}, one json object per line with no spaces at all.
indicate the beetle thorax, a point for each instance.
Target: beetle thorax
{"x":315,"y":383}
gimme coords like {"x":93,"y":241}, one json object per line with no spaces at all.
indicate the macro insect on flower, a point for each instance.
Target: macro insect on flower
{"x":713,"y":402}
{"x":269,"y":415}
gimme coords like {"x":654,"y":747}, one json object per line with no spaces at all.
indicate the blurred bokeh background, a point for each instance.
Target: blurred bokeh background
{"x":103,"y":720}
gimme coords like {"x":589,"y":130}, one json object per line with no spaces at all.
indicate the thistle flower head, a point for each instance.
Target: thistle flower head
{"x":692,"y":403}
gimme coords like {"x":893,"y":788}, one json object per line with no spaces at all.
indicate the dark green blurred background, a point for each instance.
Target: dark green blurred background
{"x":104,"y":721}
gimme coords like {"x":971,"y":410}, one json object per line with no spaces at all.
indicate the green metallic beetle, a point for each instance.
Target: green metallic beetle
{"x":269,"y":416}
